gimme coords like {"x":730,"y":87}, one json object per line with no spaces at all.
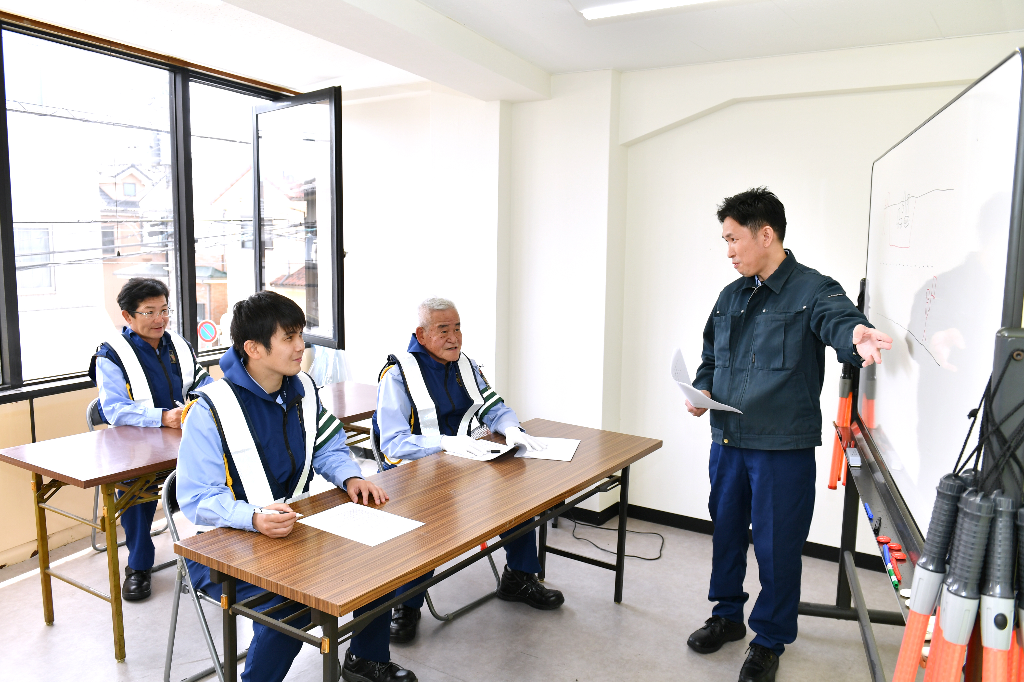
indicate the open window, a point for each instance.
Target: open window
{"x":298,"y":204}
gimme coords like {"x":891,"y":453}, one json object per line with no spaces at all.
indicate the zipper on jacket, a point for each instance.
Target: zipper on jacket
{"x":287,"y":445}
{"x":448,"y":393}
{"x":170,"y":386}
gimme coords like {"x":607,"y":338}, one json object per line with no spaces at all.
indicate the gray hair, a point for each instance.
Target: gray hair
{"x":429,"y":306}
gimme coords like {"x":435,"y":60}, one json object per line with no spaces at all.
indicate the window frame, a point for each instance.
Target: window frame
{"x":180,"y":74}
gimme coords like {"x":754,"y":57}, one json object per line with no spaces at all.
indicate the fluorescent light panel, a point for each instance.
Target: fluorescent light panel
{"x":618,"y":9}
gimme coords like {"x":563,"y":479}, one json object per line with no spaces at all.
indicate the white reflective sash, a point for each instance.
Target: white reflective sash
{"x":469,"y":420}
{"x":242,"y":446}
{"x":186,"y":363}
{"x":138,"y":384}
{"x":421,"y":400}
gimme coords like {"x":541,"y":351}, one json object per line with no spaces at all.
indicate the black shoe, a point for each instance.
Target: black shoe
{"x":716,"y":632}
{"x":760,"y":665}
{"x":404,"y":620}
{"x":358,"y":669}
{"x":524,"y":587}
{"x":136,"y":584}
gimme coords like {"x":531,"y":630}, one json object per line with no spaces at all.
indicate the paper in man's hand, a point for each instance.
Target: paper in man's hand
{"x":696,"y":397}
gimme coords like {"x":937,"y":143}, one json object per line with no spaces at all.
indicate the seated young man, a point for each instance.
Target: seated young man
{"x":144,"y":375}
{"x":225,"y":473}
{"x":433,"y":398}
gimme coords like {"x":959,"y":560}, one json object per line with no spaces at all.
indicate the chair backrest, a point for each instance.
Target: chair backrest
{"x":169,"y":499}
{"x":92,"y":414}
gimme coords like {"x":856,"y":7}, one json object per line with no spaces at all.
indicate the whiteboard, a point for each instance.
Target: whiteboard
{"x":936,"y":264}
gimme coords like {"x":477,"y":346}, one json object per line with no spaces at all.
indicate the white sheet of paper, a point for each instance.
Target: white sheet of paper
{"x":555,"y":449}
{"x":362,"y":524}
{"x":491,"y":450}
{"x":696,"y":398}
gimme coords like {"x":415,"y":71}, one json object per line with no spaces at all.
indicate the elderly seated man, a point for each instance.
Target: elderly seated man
{"x":427,"y":401}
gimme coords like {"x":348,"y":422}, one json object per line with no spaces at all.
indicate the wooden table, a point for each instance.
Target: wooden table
{"x":135,"y":460}
{"x":462,"y":503}
{"x":132,"y":459}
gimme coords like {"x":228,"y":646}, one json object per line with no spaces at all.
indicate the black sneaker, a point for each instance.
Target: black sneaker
{"x":137,"y":584}
{"x":524,"y":587}
{"x":404,"y":620}
{"x":358,"y":669}
{"x":716,"y":632}
{"x":760,"y":666}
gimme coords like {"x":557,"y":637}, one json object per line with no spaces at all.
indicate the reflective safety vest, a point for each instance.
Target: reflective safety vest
{"x":138,"y":385}
{"x":424,"y":416}
{"x":240,"y":445}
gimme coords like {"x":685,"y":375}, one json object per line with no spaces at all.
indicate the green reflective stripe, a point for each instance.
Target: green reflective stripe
{"x":326,"y":422}
{"x":325,"y":437}
{"x":203,"y":374}
{"x":490,"y":400}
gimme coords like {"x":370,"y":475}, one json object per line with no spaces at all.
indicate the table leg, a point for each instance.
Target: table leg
{"x":227,"y":600}
{"x":620,"y":553}
{"x":44,"y":548}
{"x":329,"y":644}
{"x":542,"y":549}
{"x":113,"y":568}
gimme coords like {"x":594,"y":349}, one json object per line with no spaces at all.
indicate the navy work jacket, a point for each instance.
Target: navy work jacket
{"x":764,"y":354}
{"x":276,"y":427}
{"x":161,"y":365}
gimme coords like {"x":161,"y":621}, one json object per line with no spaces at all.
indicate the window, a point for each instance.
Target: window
{"x":83,"y":128}
{"x":222,"y":203}
{"x":121,"y":166}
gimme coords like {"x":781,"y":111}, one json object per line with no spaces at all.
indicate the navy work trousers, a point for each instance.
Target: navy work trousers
{"x":520,"y":555}
{"x":137,"y":522}
{"x":771,"y":492}
{"x":271,"y":652}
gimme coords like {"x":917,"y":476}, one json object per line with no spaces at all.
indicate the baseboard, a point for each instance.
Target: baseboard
{"x":811,"y":549}
{"x":592,"y":517}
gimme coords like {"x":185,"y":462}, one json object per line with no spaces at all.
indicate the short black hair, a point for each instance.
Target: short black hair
{"x":754,"y":209}
{"x":138,"y":289}
{"x":257,"y":318}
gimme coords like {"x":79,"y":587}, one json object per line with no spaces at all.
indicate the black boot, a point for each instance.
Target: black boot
{"x":524,"y":587}
{"x":760,"y":666}
{"x":136,"y":584}
{"x":716,"y":632}
{"x":358,"y":669}
{"x":404,"y":620}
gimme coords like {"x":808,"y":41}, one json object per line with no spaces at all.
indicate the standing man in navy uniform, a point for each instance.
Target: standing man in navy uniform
{"x":144,"y":375}
{"x":252,"y":442}
{"x":764,"y":353}
{"x":433,"y":398}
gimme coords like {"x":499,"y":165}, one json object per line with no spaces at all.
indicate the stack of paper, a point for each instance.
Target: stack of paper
{"x":696,"y":398}
{"x":491,"y":450}
{"x":557,"y":449}
{"x":360,"y":523}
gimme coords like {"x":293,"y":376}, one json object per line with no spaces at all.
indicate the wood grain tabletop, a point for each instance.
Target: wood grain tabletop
{"x":105,"y":456}
{"x":460,"y":502}
{"x":349,"y":401}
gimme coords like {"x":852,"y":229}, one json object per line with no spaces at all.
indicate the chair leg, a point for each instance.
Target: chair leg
{"x":217,"y":666}
{"x":174,"y":626}
{"x":449,"y":617}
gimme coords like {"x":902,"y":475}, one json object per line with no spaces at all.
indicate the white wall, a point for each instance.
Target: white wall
{"x":680,"y":140}
{"x":421,"y":219}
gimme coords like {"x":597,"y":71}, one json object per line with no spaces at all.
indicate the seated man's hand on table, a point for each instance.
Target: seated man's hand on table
{"x":357,"y":487}
{"x":275,"y":525}
{"x":171,"y":418}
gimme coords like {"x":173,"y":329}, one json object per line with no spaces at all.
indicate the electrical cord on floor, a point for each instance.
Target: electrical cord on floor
{"x":635,"y":532}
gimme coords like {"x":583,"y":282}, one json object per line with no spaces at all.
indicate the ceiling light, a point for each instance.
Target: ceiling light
{"x":618,"y":9}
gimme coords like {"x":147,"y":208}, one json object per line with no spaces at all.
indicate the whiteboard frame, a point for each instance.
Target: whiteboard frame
{"x":1013,"y":286}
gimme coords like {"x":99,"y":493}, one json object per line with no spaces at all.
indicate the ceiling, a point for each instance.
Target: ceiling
{"x":554,"y":36}
{"x":220,"y":36}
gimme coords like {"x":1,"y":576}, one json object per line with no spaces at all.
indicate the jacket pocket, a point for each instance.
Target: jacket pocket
{"x":776,"y":340}
{"x":722,"y":328}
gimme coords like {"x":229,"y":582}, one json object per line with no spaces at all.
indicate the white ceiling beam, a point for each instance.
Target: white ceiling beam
{"x":415,"y":38}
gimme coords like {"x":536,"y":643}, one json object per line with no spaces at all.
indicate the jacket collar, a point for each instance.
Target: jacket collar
{"x":141,"y":342}
{"x":416,"y":347}
{"x":236,"y":373}
{"x":777,"y":278}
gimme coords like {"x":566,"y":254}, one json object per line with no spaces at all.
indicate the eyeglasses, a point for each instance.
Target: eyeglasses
{"x":166,"y":312}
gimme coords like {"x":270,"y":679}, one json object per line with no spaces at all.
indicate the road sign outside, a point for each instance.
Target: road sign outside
{"x":207,"y":331}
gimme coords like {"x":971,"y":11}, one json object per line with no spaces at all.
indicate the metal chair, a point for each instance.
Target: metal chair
{"x":375,"y":445}
{"x":92,"y":420}
{"x":183,"y":585}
